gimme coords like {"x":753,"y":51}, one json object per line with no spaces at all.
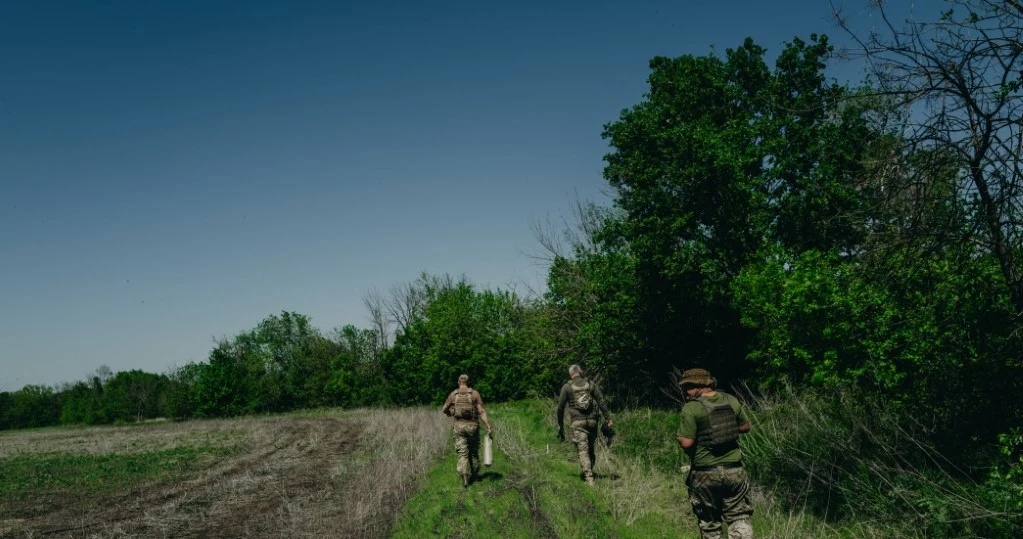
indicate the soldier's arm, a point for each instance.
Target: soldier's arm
{"x":562,"y":402}
{"x":688,"y":448}
{"x":687,"y":430}
{"x":447,"y":404}
{"x":479,"y":408}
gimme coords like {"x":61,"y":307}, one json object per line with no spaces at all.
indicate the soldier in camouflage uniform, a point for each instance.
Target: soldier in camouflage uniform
{"x":465,"y":405}
{"x":718,"y":487}
{"x":583,"y":399}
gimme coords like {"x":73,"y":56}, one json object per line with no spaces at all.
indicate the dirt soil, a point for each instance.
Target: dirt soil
{"x":286,"y":483}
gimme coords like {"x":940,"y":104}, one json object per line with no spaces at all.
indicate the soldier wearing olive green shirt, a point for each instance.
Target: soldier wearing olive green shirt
{"x":718,"y":487}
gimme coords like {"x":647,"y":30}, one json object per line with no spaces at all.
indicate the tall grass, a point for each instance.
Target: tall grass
{"x":857,"y":467}
{"x":652,"y":470}
{"x":396,"y":449}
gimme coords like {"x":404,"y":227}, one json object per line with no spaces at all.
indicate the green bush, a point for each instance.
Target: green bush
{"x":648,"y":436}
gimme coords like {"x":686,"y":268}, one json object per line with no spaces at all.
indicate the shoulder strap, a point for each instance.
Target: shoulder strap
{"x":710,"y":406}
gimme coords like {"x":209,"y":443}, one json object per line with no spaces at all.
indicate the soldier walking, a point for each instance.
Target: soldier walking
{"x":583,"y":399}
{"x":465,"y":405}
{"x":718,"y":487}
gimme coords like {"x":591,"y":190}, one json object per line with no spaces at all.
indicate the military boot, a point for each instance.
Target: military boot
{"x":465,"y":480}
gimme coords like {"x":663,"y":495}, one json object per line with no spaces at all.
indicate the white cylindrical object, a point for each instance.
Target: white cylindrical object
{"x":488,"y":451}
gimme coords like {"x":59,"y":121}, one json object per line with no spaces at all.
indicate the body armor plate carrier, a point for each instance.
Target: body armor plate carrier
{"x":723,"y":425}
{"x":463,"y":407}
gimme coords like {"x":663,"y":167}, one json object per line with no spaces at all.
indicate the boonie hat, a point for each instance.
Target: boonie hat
{"x":696,"y":377}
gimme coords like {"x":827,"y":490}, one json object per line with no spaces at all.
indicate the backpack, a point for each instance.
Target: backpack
{"x":463,"y":407}
{"x":582,"y":396}
{"x":723,"y":429}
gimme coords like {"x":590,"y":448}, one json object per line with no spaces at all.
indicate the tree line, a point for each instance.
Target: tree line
{"x":285,"y":363}
{"x":770,"y":224}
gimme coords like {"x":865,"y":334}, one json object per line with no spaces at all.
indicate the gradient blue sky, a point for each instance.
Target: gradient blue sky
{"x":173,"y":172}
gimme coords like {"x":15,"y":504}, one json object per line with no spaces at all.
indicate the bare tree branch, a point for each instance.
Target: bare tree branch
{"x":960,"y":78}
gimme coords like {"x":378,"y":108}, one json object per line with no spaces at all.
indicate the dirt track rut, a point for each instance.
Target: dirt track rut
{"x":283,"y":485}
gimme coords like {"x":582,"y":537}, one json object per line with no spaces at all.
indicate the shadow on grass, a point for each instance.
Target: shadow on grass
{"x":489,"y":476}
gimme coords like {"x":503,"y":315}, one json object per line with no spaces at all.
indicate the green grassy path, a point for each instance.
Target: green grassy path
{"x":534,"y":489}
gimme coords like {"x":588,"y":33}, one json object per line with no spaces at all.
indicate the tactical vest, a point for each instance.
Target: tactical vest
{"x":723,"y":424}
{"x":582,"y":396}
{"x":463,"y":407}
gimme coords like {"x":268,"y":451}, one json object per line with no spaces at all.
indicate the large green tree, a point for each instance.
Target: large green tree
{"x":723,"y":164}
{"x":591,"y":311}
{"x":355,"y":376}
{"x":460,"y":330}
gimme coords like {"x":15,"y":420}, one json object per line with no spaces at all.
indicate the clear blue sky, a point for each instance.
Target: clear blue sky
{"x":172,"y":172}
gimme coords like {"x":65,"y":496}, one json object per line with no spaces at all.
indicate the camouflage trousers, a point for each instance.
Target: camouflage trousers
{"x":721,"y":496}
{"x":467,"y":447}
{"x":584,"y":434}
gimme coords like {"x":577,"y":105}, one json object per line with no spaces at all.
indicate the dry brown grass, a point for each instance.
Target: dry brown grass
{"x":398,"y":447}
